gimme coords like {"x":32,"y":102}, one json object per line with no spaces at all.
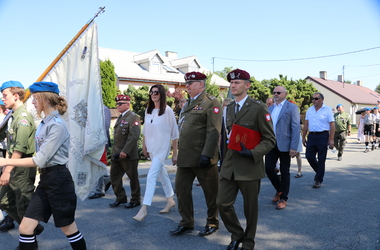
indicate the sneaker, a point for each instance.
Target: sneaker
{"x":339,"y":158}
{"x":317,"y":184}
{"x":366,"y":150}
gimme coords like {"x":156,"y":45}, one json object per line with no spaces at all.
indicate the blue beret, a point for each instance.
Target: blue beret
{"x":44,"y":87}
{"x":367,"y":109}
{"x":376,"y":107}
{"x":1,"y":102}
{"x":10,"y":84}
{"x":338,"y":105}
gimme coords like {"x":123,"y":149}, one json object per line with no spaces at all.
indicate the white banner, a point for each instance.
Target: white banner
{"x":78,"y":75}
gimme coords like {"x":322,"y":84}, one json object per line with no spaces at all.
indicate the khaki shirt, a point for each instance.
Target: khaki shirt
{"x":200,"y":124}
{"x":20,"y":133}
{"x":342,"y":121}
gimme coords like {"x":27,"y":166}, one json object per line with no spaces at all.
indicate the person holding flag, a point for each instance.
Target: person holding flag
{"x":55,"y":194}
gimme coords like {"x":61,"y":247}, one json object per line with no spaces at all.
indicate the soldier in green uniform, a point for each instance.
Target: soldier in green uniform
{"x":125,"y":156}
{"x":342,"y":129}
{"x":200,"y":124}
{"x":243,"y":170}
{"x":18,"y":182}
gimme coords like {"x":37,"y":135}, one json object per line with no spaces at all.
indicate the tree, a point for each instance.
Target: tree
{"x":211,"y":87}
{"x":139,"y":99}
{"x":224,"y":72}
{"x":109,"y":88}
{"x":377,"y":89}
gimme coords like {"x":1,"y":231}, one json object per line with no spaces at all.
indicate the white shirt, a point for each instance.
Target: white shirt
{"x":241,"y":103}
{"x":319,"y":121}
{"x":275,"y":113}
{"x":159,"y":131}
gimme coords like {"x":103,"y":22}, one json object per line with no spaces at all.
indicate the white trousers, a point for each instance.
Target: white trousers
{"x":157,"y":170}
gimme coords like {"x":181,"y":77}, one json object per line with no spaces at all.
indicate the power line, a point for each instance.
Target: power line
{"x":362,"y":65}
{"x":298,"y":59}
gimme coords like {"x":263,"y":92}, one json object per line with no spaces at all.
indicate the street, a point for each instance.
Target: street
{"x":343,"y":214}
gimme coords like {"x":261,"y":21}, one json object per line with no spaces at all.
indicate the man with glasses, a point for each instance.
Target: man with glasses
{"x":320,"y":123}
{"x":200,"y":125}
{"x":286,"y":126}
{"x":125,"y":156}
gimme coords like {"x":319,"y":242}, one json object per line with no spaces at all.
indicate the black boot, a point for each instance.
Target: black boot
{"x":7,"y":224}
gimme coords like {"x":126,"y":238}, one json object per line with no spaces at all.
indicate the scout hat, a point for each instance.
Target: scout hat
{"x":122,"y":98}
{"x":44,"y":87}
{"x":10,"y":84}
{"x":195,"y":76}
{"x":238,"y":74}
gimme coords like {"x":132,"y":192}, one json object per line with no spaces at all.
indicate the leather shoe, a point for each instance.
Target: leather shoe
{"x":132,"y":205}
{"x":246,"y":248}
{"x":116,"y":204}
{"x":207,"y":231}
{"x":317,"y":184}
{"x":180,"y":230}
{"x":7,"y":224}
{"x":96,"y":195}
{"x":234,"y":245}
{"x":107,"y":186}
{"x":277,"y":198}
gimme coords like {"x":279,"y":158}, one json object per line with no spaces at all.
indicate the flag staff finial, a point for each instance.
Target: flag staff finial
{"x":100,"y":11}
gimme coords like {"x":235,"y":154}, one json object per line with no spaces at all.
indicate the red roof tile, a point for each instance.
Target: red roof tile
{"x":351,"y":92}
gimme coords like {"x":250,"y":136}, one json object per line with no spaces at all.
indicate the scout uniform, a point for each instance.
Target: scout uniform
{"x":342,"y":122}
{"x":15,"y":198}
{"x":126,"y":136}
{"x":244,"y":173}
{"x":200,"y":125}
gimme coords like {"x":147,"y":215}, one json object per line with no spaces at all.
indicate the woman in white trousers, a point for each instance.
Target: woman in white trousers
{"x":160,"y":131}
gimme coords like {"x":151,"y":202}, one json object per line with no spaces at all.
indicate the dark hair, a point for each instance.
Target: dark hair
{"x":162,"y":92}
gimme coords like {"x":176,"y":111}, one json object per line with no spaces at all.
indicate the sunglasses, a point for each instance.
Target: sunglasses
{"x":155,"y":92}
{"x":190,"y":82}
{"x":278,"y":93}
{"x":315,"y":98}
{"x":120,"y":103}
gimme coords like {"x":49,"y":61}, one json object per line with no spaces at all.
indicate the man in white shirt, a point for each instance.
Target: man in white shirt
{"x":320,"y":123}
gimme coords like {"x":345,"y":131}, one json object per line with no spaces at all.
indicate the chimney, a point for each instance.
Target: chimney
{"x":171,"y":54}
{"x":359,"y":83}
{"x":323,"y":75}
{"x":340,"y":78}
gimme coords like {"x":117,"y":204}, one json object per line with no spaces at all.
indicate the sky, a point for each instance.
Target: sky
{"x":257,"y":36}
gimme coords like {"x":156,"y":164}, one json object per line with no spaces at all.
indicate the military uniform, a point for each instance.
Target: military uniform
{"x":200,"y":125}
{"x":342,"y":121}
{"x":244,"y":173}
{"x":15,"y":198}
{"x":126,"y":136}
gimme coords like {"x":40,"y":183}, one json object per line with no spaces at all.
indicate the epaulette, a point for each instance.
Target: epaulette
{"x":211,"y":97}
{"x":258,"y":102}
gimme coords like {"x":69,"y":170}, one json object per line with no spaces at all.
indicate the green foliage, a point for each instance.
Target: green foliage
{"x":211,"y":87}
{"x":377,"y":89}
{"x":139,"y":99}
{"x":224,"y":72}
{"x":109,"y":88}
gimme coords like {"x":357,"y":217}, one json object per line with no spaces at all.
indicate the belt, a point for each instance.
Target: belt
{"x":317,"y":133}
{"x":343,"y":131}
{"x":49,"y":169}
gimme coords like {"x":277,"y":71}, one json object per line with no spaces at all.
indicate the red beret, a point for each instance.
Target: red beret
{"x":122,"y":98}
{"x":238,"y":74}
{"x":194,"y":76}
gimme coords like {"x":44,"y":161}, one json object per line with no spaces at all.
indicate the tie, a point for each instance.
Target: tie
{"x":190,"y":101}
{"x":237,"y":108}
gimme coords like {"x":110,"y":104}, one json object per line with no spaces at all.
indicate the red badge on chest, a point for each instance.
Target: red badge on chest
{"x":136,"y":123}
{"x":267,"y":117}
{"x":216,"y":110}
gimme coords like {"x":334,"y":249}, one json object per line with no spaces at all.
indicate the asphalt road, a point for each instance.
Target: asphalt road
{"x":343,"y":214}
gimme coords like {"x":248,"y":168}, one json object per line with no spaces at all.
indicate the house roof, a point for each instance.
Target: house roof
{"x":127,"y":66}
{"x":351,"y":92}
